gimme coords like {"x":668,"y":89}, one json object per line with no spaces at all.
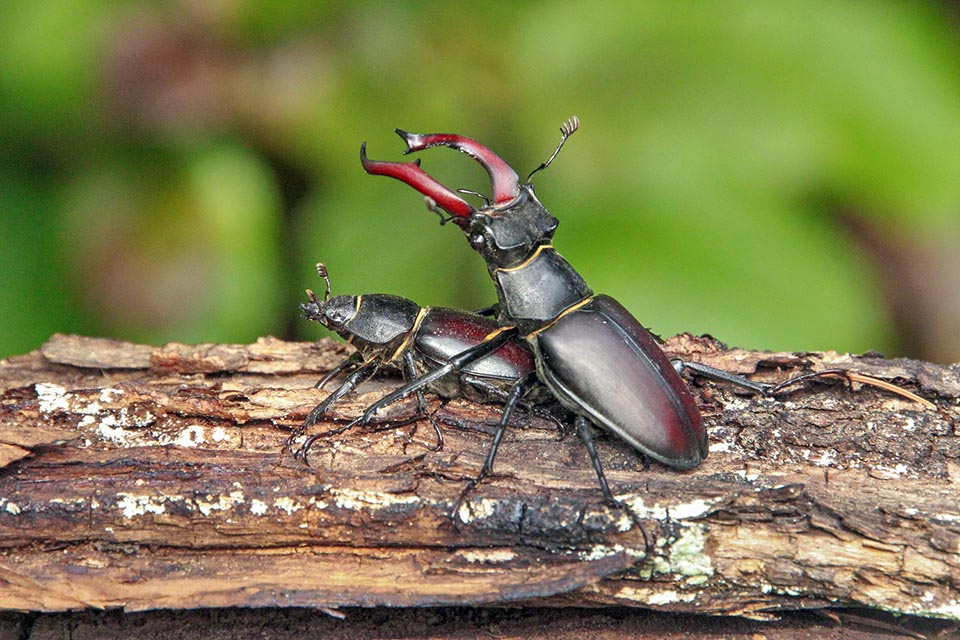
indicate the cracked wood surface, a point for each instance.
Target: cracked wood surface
{"x":143,"y":477}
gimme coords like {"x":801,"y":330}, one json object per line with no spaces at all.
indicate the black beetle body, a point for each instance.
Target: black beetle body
{"x":394,"y":333}
{"x":594,"y":357}
{"x":576,"y":354}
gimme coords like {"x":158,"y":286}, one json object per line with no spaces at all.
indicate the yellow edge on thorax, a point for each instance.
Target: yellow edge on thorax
{"x":413,"y":330}
{"x":569,"y":309}
{"x":532,"y":257}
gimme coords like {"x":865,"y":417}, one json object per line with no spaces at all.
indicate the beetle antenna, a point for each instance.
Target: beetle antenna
{"x":322,"y":270}
{"x":444,"y":216}
{"x":566,"y":130}
{"x":471,"y":192}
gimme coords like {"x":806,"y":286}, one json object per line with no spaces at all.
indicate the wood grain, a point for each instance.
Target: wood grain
{"x":143,"y":478}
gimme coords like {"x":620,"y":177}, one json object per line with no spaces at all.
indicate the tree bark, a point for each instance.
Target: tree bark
{"x":143,"y":478}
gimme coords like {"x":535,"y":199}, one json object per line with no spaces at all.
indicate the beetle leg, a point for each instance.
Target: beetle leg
{"x":583,"y":430}
{"x":492,"y":391}
{"x":411,"y":372}
{"x":364,"y":372}
{"x":354,"y":361}
{"x":520,"y":388}
{"x":770,"y":390}
{"x":456,"y":363}
{"x":713,"y":373}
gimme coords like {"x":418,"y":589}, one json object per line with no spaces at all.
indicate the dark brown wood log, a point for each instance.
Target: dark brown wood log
{"x":144,"y":478}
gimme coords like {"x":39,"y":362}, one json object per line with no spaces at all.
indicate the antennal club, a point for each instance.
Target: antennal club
{"x":566,"y":130}
{"x":322,"y":270}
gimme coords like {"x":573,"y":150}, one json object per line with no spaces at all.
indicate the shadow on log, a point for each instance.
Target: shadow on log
{"x":144,"y":478}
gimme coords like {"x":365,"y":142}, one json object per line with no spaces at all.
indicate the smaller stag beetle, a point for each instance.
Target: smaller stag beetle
{"x":395,"y":333}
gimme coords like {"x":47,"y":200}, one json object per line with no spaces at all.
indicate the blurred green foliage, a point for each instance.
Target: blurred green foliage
{"x":172,"y":172}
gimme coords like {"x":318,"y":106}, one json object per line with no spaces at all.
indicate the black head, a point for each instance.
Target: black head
{"x":506,"y":236}
{"x":506,"y":231}
{"x":333,"y":313}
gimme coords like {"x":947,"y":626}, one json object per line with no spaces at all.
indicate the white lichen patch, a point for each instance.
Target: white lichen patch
{"x":751,"y":477}
{"x":721,"y":447}
{"x":883,"y":472}
{"x":51,"y":398}
{"x":681,"y":511}
{"x":476,"y":509}
{"x":669,"y":596}
{"x":826,"y":459}
{"x":687,"y":557}
{"x":927,"y":605}
{"x":219,"y":434}
{"x":10,"y":507}
{"x":353,"y":499}
{"x":946,"y":517}
{"x":108,"y":433}
{"x":318,"y":503}
{"x":110,"y":425}
{"x":139,"y":505}
{"x":190,"y":436}
{"x":488,"y":556}
{"x":123,"y":418}
{"x":115,"y":426}
{"x":624,"y":523}
{"x":601,"y":551}
{"x":289,"y":505}
{"x":258,"y":507}
{"x":109,"y":394}
{"x":210,"y":503}
{"x":658,"y":597}
{"x":737,"y":403}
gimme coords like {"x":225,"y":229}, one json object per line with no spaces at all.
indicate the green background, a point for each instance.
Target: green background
{"x":780,"y":175}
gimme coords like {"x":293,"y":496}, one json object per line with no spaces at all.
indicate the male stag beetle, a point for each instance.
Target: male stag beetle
{"x":589,"y":351}
{"x":396,"y":333}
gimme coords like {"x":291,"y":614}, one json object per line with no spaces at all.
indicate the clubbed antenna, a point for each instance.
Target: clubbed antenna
{"x":566,"y":130}
{"x":322,"y":270}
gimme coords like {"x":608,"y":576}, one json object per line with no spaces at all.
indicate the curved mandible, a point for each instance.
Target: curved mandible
{"x":504,"y":181}
{"x":411,"y":174}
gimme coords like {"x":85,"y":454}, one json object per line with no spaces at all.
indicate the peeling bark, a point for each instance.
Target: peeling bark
{"x":141,"y":477}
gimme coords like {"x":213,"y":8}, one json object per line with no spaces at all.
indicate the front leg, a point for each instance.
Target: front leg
{"x":363,"y":372}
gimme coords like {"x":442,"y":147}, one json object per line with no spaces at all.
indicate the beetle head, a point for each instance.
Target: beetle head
{"x":333,"y":313}
{"x":507,"y":230}
{"x":506,"y":236}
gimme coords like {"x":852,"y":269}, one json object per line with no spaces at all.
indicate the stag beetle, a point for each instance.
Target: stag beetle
{"x":589,"y":351}
{"x":395,"y":333}
{"x":592,"y":355}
